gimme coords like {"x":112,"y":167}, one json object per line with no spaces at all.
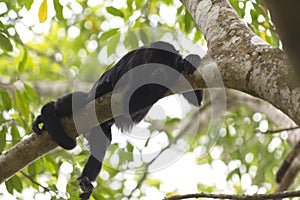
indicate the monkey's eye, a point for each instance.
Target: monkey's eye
{"x":159,"y":74}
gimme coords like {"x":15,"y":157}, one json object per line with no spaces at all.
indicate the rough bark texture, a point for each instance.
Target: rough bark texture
{"x":34,"y":146}
{"x":245,"y":61}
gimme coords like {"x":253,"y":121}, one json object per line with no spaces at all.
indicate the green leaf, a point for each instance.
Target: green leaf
{"x":112,"y":172}
{"x":17,"y":184}
{"x":5,"y":43}
{"x":6,"y":100}
{"x":9,"y":186}
{"x":112,"y":45}
{"x":3,"y":138}
{"x":17,"y":117}
{"x":1,"y":25}
{"x":115,"y":12}
{"x":28,"y":4}
{"x":129,"y":4}
{"x":129,"y":147}
{"x":14,"y":183}
{"x":188,"y":21}
{"x":139,"y":4}
{"x":144,"y":36}
{"x":131,"y":40}
{"x":108,"y":34}
{"x":22,"y":103}
{"x":50,"y":164}
{"x":172,"y":121}
{"x":197,"y":36}
{"x":168,"y":2}
{"x":58,"y":9}
{"x":97,"y":195}
{"x":31,"y":94}
{"x":179,"y":10}
{"x":15,"y":133}
{"x":32,"y":169}
{"x":22,"y":63}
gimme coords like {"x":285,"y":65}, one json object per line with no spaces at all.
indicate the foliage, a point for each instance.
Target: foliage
{"x":257,"y":17}
{"x":56,"y":51}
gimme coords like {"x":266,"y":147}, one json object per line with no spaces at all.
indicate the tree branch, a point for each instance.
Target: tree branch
{"x":237,"y":197}
{"x":33,"y":181}
{"x":280,"y":130}
{"x":245,"y":61}
{"x":34,"y":146}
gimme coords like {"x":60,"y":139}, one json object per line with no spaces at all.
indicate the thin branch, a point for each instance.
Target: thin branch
{"x":140,"y":182}
{"x":33,"y":181}
{"x":7,"y":86}
{"x":145,"y":174}
{"x":279,"y":130}
{"x":237,"y":197}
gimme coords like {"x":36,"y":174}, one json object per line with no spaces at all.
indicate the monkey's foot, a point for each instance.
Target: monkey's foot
{"x":86,"y":186}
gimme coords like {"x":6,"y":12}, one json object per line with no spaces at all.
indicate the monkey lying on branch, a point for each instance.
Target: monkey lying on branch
{"x":144,"y":76}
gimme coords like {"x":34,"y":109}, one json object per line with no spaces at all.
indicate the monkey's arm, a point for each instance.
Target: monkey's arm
{"x":99,"y":141}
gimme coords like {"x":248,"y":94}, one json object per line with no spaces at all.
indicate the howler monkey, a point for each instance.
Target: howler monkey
{"x":146,"y":75}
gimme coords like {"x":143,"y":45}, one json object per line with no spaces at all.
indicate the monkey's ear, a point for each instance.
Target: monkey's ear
{"x":190,"y":63}
{"x":193,"y":59}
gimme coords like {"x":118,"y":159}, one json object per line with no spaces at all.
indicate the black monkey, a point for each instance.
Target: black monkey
{"x":160,"y":67}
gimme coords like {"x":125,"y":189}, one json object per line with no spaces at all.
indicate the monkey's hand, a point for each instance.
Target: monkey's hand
{"x":86,"y":186}
{"x":35,"y":125}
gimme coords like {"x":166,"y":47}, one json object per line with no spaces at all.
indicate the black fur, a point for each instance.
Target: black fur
{"x":141,"y":100}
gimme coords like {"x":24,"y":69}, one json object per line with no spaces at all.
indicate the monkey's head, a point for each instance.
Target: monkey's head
{"x":164,"y":46}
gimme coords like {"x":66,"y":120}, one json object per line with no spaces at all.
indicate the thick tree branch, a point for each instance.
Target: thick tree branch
{"x":34,"y":146}
{"x":245,"y":61}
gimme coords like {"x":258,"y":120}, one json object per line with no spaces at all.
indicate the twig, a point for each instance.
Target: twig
{"x":33,"y":181}
{"x":7,"y":86}
{"x":145,"y":174}
{"x":140,"y":182}
{"x":237,"y":197}
{"x":280,"y":130}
